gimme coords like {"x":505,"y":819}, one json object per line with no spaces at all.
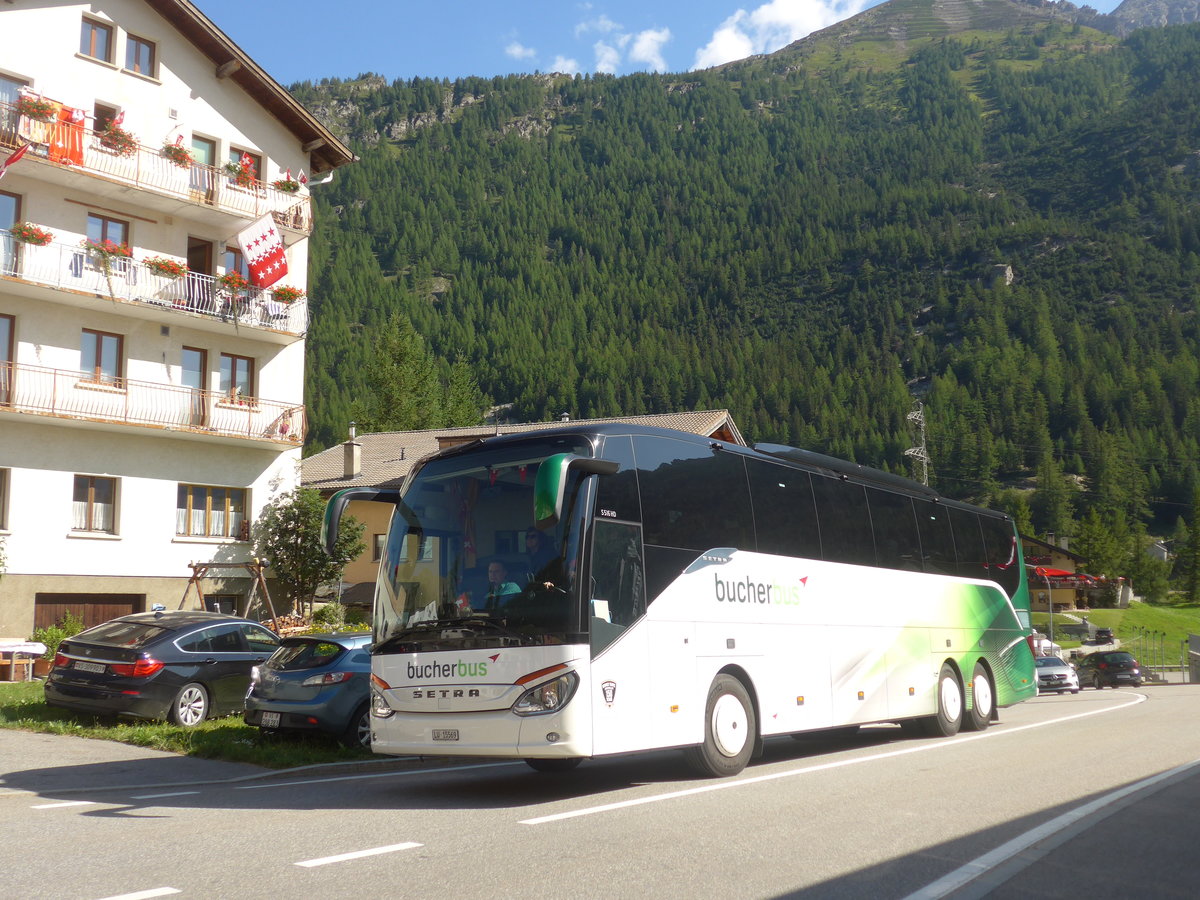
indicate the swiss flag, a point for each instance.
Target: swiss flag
{"x":263,"y":250}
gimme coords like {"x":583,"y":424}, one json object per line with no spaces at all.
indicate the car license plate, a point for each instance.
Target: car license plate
{"x":89,"y":666}
{"x":270,"y":720}
{"x":445,"y":734}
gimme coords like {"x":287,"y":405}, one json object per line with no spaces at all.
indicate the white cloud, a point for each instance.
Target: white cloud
{"x":565,"y":65}
{"x":608,"y":58}
{"x":601,"y":25}
{"x":518,"y":50}
{"x":773,"y":25}
{"x":647,"y":48}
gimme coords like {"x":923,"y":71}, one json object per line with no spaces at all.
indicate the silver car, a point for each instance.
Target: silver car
{"x":1053,"y":674}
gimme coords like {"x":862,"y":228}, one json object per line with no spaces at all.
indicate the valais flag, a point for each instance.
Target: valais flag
{"x":263,"y":250}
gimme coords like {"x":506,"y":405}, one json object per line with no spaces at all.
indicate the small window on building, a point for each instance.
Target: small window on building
{"x":94,"y":504}
{"x":237,"y":376}
{"x":100,"y":356}
{"x":247,"y":165}
{"x":376,"y":553}
{"x":4,"y":477}
{"x":102,"y":228}
{"x":96,"y":40}
{"x":203,"y":511}
{"x":139,"y":56}
{"x":235,"y":262}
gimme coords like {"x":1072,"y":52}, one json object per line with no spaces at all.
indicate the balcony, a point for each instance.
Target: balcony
{"x":69,"y":267}
{"x":82,"y":398}
{"x":66,"y":153}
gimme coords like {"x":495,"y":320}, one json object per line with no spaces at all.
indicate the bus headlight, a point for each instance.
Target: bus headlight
{"x":379,"y":706}
{"x":548,"y":697}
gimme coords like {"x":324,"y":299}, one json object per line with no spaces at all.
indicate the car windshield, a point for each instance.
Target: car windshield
{"x":123,"y":634}
{"x":464,"y":565}
{"x":1049,"y":661}
{"x":304,"y":654}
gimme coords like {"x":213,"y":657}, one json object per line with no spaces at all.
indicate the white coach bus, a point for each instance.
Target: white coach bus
{"x":595,"y":590}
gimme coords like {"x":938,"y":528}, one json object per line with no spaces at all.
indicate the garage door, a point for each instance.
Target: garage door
{"x":92,"y":608}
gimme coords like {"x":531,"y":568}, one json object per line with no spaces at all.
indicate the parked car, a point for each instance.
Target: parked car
{"x":1103,"y":636}
{"x":315,"y":682}
{"x":1110,"y":668}
{"x":1054,"y":674}
{"x":179,"y":665}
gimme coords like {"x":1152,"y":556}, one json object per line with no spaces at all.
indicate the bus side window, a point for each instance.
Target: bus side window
{"x":1000,"y":541}
{"x":845,"y":522}
{"x":895,"y":528}
{"x":785,"y":519}
{"x":617,"y":495}
{"x":968,"y":542}
{"x":618,"y":584}
{"x":937,"y":538}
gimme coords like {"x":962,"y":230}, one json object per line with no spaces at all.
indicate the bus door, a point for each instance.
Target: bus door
{"x":620,"y":682}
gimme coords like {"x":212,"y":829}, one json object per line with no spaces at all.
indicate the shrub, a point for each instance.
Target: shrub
{"x":53,"y":635}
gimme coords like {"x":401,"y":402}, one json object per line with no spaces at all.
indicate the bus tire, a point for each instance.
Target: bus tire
{"x":983,"y":700}
{"x":949,"y":716}
{"x":730,"y":730}
{"x":558,"y":764}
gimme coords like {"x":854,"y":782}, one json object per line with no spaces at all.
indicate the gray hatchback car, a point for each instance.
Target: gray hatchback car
{"x":315,"y":682}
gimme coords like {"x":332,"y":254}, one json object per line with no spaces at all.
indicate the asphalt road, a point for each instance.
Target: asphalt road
{"x":1081,"y":795}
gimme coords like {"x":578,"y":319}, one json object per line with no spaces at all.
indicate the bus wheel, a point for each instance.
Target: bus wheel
{"x":561,"y":764}
{"x":983,"y":699}
{"x":729,"y":730}
{"x":949,"y":716}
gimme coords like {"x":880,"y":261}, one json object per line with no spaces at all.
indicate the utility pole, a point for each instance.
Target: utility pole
{"x":919,"y":453}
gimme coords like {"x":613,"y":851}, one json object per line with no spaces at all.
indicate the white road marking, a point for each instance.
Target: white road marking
{"x":63,"y":803}
{"x":357,"y":854}
{"x":156,"y":796}
{"x":775,"y":776}
{"x":1055,"y":827}
{"x":278,"y":784}
{"x":146,"y":895}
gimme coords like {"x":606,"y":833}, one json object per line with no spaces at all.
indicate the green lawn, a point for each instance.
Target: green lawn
{"x":1174,"y":621}
{"x":22,"y":708}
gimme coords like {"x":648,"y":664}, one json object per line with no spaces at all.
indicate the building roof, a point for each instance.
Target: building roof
{"x":388,"y":456}
{"x":325,"y":150}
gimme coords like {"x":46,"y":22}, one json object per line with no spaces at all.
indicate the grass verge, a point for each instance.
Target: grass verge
{"x":23,"y":708}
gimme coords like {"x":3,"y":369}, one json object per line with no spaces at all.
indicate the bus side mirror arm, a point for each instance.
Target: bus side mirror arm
{"x":331,"y":524}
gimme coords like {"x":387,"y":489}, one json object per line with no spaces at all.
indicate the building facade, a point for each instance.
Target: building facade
{"x":151,"y":398}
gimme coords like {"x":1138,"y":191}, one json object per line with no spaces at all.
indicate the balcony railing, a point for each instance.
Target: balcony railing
{"x":72,"y":267}
{"x":78,"y":148}
{"x":84,"y":396}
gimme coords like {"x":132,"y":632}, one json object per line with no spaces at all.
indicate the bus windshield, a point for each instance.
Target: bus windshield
{"x":465,"y":566}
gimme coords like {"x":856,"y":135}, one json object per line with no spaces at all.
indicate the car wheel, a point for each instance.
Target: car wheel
{"x":190,"y":706}
{"x":1097,"y":683}
{"x":729,"y":730}
{"x":358,"y":733}
{"x":1076,"y":691}
{"x":949,"y":716}
{"x":983,"y":699}
{"x":565,"y":764}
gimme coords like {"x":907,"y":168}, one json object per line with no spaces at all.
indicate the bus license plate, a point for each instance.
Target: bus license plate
{"x":89,"y":667}
{"x":445,"y":734}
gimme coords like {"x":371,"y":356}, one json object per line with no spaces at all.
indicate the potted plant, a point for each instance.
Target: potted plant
{"x":36,"y":108}
{"x":28,"y":233}
{"x":53,"y":635}
{"x":102,"y":251}
{"x":286,"y":185}
{"x":161,"y":265}
{"x":241,"y":173}
{"x":178,"y":154}
{"x":287,"y":294}
{"x":115,"y":138}
{"x":234,"y":282}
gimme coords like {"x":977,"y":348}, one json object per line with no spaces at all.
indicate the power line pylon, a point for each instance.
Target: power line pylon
{"x":919,"y":452}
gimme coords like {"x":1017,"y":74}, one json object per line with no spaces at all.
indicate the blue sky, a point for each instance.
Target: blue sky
{"x":305,"y":39}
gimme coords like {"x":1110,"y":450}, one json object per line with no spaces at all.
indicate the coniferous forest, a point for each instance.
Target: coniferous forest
{"x":1002,"y":223}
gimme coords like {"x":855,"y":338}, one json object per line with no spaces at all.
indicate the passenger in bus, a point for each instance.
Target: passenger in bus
{"x":543,"y":558}
{"x":499,"y":587}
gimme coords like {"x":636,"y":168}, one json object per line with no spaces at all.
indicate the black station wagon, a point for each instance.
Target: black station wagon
{"x":179,"y":665}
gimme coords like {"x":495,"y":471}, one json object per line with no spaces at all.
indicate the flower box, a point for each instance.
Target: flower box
{"x":115,"y":138}
{"x":287,"y":294}
{"x":161,"y":265}
{"x":36,"y":108}
{"x":233,"y":282}
{"x":178,"y":154}
{"x":286,"y":185}
{"x":242,"y":174}
{"x":28,"y":233}
{"x":103,"y":251}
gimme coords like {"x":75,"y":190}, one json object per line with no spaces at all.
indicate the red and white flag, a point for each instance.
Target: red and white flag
{"x":302,"y":178}
{"x":262,"y":248}
{"x":12,"y":159}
